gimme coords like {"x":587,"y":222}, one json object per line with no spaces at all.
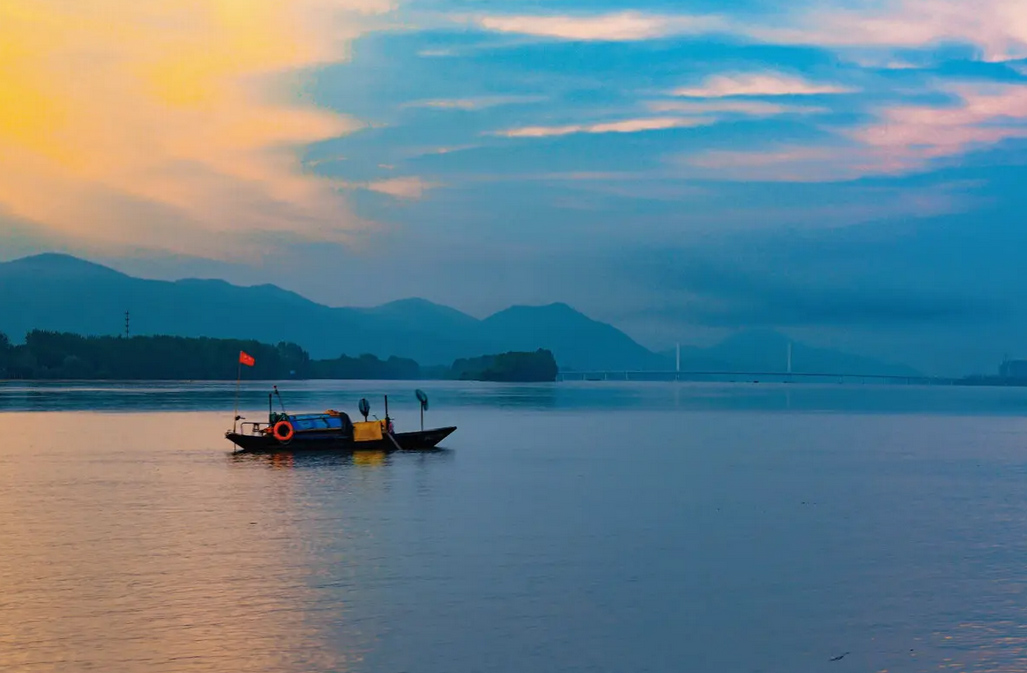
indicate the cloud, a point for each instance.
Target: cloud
{"x":779,"y":164}
{"x":750,"y":108}
{"x":819,"y":307}
{"x":479,"y":103}
{"x":907,"y":137}
{"x":616,"y":27}
{"x":437,"y":53}
{"x":758,"y":84}
{"x":623,"y":126}
{"x":438,"y":151}
{"x":745,"y":289}
{"x":997,"y":27}
{"x":401,"y":188}
{"x":902,"y":138}
{"x":151,"y":125}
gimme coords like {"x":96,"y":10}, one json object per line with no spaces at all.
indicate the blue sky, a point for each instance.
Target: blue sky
{"x":847,"y":172}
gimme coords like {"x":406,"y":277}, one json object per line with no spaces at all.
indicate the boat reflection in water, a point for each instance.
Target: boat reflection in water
{"x":369,"y":458}
{"x":290,"y":460}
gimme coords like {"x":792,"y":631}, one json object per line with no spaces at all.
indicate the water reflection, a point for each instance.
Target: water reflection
{"x":311,"y":459}
{"x":327,"y":460}
{"x":618,"y":538}
{"x":124,"y":551}
{"x":998,"y":646}
{"x":369,"y":458}
{"x":449,"y":397}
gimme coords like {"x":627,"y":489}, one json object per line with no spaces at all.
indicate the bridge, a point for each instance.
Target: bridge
{"x":786,"y":376}
{"x":752,"y":377}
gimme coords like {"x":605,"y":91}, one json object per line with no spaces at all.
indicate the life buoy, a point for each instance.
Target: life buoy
{"x":283,"y":431}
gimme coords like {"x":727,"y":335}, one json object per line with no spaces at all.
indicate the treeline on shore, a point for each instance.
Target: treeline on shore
{"x":59,"y":355}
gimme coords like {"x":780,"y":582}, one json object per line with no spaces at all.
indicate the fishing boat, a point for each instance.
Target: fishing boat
{"x":331,"y":430}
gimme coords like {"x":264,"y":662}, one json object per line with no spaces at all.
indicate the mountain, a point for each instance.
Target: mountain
{"x":63,"y":293}
{"x":767,"y":351}
{"x":564,"y":331}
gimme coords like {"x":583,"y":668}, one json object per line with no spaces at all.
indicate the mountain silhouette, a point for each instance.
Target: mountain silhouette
{"x":767,"y":351}
{"x":63,"y":293}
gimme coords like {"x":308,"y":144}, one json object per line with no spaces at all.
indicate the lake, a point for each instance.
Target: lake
{"x":566,"y":527}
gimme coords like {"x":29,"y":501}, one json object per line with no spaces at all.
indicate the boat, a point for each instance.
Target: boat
{"x":331,"y":431}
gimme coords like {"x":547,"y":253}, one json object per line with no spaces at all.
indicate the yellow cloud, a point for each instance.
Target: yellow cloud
{"x":154,"y":124}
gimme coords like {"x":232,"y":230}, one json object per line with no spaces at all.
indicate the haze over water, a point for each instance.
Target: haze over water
{"x":573,"y":527}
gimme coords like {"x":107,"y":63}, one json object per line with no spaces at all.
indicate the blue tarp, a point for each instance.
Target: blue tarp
{"x":316,"y":422}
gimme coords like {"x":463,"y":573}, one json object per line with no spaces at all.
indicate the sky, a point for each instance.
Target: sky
{"x":848,"y":172}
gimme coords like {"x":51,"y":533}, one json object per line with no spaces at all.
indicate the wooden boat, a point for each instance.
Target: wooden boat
{"x":332,"y":431}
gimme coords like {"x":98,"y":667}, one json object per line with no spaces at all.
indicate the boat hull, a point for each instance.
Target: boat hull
{"x":424,"y":440}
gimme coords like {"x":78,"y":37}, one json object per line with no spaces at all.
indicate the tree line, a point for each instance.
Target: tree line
{"x":513,"y":366}
{"x":61,"y":355}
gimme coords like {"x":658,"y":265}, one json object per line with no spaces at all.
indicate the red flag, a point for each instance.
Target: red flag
{"x":246,"y":359}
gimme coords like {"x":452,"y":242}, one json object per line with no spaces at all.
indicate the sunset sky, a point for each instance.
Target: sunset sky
{"x":852,"y":172}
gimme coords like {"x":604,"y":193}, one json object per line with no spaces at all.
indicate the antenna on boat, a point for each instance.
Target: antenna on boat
{"x":423,"y":399}
{"x":279,"y":395}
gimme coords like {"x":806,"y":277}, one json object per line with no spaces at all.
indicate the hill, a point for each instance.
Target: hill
{"x":767,"y":351}
{"x":66,"y":294}
{"x":577,"y":341}
{"x":65,"y":356}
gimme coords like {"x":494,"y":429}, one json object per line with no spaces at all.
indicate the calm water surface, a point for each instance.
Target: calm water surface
{"x":572,"y":527}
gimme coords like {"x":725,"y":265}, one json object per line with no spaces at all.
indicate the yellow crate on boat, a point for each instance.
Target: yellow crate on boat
{"x":367,"y":431}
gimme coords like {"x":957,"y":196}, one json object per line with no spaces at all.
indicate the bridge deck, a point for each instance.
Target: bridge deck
{"x":638,"y":375}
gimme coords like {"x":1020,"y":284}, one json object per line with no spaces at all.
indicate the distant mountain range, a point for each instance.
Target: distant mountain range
{"x":767,"y":351}
{"x":64,"y":293}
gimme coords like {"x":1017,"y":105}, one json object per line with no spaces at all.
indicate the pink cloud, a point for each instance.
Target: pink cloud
{"x":623,"y":126}
{"x":758,"y":84}
{"x":903,"y":139}
{"x":621,"y":26}
{"x":908,"y":136}
{"x":998,"y":27}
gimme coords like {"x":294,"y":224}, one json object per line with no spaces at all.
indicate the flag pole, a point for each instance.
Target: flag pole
{"x":238,"y":378}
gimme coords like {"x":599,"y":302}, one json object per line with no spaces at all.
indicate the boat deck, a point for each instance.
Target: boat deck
{"x":423,"y":440}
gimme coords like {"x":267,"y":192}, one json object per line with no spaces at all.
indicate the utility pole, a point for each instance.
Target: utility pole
{"x":126,"y":324}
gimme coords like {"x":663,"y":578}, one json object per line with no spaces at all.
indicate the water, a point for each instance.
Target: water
{"x":571,"y":527}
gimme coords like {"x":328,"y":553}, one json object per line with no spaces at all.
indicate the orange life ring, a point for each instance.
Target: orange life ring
{"x":283,"y":431}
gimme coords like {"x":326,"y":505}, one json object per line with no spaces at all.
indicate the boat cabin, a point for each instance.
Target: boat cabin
{"x":336,"y":423}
